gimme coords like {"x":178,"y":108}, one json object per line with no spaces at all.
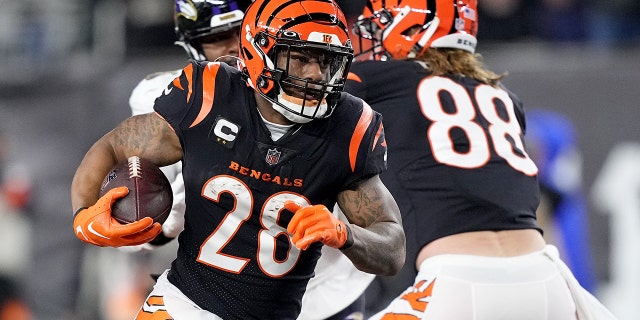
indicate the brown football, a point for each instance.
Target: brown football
{"x":149,"y":195}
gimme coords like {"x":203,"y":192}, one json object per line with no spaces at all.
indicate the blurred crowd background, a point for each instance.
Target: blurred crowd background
{"x":67,"y":68}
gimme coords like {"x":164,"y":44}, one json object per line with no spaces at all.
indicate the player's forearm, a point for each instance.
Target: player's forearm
{"x":379,"y":249}
{"x":147,"y":136}
{"x":376,"y":227}
{"x":85,"y":186}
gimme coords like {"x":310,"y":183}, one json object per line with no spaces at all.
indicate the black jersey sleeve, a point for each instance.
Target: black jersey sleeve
{"x":367,"y":148}
{"x":377,"y":153}
{"x":356,"y":84}
{"x":519,"y":111}
{"x":190,"y":96}
{"x":177,"y":97}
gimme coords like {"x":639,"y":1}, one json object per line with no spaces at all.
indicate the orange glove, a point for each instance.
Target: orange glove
{"x":316,"y":223}
{"x":94,"y":225}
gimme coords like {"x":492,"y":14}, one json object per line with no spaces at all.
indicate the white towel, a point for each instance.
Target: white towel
{"x":588,"y":307}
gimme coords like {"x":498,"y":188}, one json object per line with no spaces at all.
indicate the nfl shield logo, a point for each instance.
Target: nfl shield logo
{"x":273,"y":156}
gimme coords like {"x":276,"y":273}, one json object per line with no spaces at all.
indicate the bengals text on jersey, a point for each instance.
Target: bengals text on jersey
{"x":236,"y":180}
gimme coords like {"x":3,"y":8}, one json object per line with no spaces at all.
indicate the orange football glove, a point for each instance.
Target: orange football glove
{"x":94,"y":225}
{"x":316,"y":223}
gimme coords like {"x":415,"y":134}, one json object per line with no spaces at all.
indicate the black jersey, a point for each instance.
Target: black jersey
{"x":235,"y":258}
{"x":456,"y":157}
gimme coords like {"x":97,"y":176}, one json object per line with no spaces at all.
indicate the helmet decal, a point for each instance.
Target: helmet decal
{"x":186,"y":9}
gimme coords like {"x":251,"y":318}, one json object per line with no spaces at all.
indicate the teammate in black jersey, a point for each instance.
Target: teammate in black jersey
{"x":265,"y":151}
{"x":458,"y":169}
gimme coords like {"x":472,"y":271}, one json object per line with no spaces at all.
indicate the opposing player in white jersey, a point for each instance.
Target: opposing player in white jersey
{"x":209,"y":30}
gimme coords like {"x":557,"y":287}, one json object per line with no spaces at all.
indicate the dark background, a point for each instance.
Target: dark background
{"x":67,"y":69}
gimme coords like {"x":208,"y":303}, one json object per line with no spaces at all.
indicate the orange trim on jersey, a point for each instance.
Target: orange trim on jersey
{"x":177,"y":84}
{"x":188,"y":71}
{"x":375,"y":141}
{"x":208,"y":91}
{"x":358,"y":134}
{"x":354,"y":77}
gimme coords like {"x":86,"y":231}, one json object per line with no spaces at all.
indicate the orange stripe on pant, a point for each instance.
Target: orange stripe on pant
{"x":417,"y":300}
{"x":156,"y":310}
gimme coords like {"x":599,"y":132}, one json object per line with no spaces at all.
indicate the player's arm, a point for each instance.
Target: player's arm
{"x":375,"y":225}
{"x":147,"y":136}
{"x":372,"y":237}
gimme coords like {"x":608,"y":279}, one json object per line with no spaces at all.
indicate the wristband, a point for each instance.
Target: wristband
{"x":78,"y":211}
{"x":347,"y":244}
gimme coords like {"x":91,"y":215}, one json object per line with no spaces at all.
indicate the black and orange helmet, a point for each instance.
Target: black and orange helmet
{"x":402,"y":29}
{"x":271,"y":27}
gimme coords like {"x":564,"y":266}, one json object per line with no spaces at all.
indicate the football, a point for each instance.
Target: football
{"x":149,"y":195}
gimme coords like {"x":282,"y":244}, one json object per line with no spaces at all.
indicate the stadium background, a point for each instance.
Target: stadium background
{"x":68,"y":67}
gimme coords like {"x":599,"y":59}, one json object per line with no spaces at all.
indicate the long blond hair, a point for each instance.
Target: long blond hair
{"x":442,"y":61}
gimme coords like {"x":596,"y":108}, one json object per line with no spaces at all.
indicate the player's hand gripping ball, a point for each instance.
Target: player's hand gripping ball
{"x":135,"y":198}
{"x":149,"y":195}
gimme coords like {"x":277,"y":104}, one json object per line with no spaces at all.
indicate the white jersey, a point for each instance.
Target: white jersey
{"x":337,"y":283}
{"x":141,"y":101}
{"x":114,"y":285}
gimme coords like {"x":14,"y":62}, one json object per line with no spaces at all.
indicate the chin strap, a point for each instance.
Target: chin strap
{"x":191,"y":51}
{"x":286,"y":103}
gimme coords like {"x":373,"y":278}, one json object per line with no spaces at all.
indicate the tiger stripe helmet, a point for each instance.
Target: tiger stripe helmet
{"x":403,"y":29}
{"x":280,"y":26}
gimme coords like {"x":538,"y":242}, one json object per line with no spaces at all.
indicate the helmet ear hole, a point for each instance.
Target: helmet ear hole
{"x":262,"y":40}
{"x":385,"y":17}
{"x":262,"y":82}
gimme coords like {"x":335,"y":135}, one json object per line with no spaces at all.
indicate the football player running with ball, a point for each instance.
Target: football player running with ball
{"x":458,"y":168}
{"x":210,"y":30}
{"x":265,"y":150}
